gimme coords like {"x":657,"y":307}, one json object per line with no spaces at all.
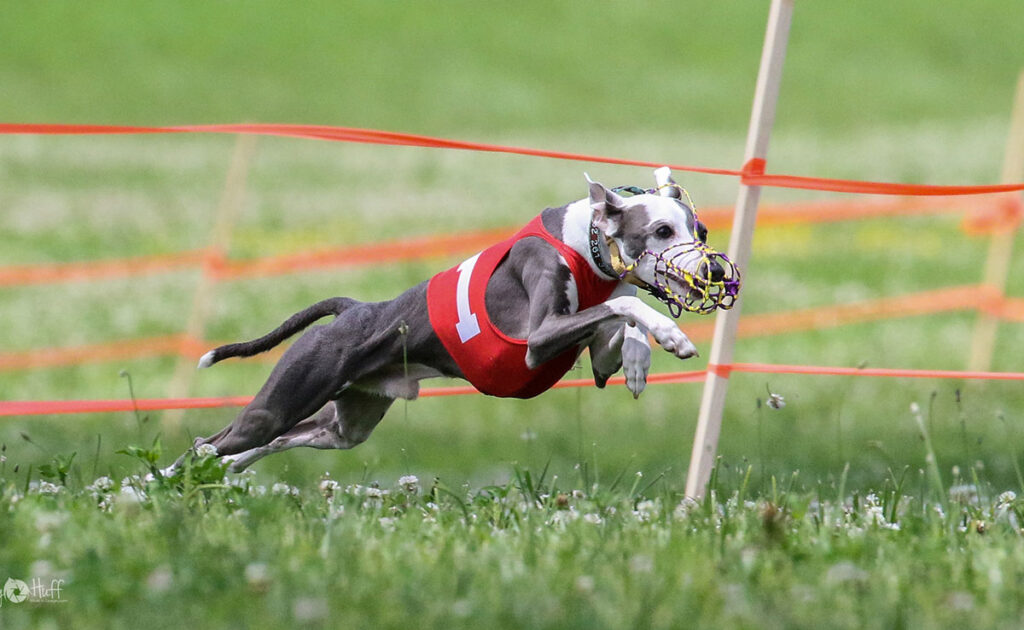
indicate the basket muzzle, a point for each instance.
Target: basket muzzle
{"x":714,"y":283}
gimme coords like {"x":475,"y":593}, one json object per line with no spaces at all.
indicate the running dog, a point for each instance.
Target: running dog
{"x":512,"y":320}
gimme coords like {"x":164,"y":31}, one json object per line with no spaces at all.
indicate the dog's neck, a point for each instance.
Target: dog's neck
{"x":576,"y":234}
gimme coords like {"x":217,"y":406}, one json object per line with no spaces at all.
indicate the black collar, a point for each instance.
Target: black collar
{"x":595,"y":253}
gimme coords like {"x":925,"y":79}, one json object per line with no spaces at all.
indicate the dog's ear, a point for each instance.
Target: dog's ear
{"x":666,"y":185}
{"x":607,"y":206}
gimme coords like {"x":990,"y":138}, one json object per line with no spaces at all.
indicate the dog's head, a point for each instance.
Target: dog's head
{"x":663,"y":247}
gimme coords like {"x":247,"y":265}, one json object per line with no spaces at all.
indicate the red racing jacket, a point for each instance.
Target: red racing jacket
{"x":491,"y":361}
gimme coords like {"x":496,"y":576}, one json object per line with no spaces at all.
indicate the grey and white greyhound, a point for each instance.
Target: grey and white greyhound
{"x":332,"y":387}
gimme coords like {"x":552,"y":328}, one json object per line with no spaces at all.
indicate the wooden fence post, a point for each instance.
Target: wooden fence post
{"x":762,"y":117}
{"x":231,"y":201}
{"x":1000,"y":248}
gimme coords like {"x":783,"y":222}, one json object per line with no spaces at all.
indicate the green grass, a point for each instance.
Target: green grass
{"x":900,"y":92}
{"x":73,"y":193}
{"x":537,"y":551}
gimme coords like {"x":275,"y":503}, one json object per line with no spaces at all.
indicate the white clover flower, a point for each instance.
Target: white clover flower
{"x":129,"y":494}
{"x":285,"y":489}
{"x":1005,"y":499}
{"x":128,"y":498}
{"x":45,"y":487}
{"x":874,"y":513}
{"x":136,"y":480}
{"x":410,"y":484}
{"x":563,"y":517}
{"x":101,"y":485}
{"x":329,"y":488}
{"x":372,"y":492}
{"x":966,"y":493}
{"x":206,"y":450}
{"x":387,"y":523}
{"x":354,"y":489}
{"x":592,"y":518}
{"x":775,"y":401}
{"x":646,"y":510}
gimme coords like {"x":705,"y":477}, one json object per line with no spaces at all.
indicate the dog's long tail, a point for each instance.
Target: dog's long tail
{"x":295,"y":323}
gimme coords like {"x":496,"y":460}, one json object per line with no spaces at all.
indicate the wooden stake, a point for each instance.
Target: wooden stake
{"x":1000,"y":248}
{"x":231,"y":201}
{"x":762,"y":117}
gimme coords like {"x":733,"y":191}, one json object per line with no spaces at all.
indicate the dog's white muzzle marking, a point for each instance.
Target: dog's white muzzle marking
{"x":467,"y":326}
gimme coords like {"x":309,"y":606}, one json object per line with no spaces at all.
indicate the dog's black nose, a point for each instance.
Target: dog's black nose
{"x":714,"y":270}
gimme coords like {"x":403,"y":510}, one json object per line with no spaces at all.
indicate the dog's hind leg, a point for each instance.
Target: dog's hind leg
{"x":310,"y":374}
{"x":371,"y":354}
{"x":342,"y":424}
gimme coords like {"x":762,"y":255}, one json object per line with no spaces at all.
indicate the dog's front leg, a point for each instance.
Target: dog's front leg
{"x":634,"y":350}
{"x":556,"y":333}
{"x":554,"y":328}
{"x":606,"y":351}
{"x":664,"y":330}
{"x":636,"y":358}
{"x":619,"y":345}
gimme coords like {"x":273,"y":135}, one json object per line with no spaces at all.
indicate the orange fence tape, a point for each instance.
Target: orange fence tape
{"x":761,"y":368}
{"x":20,"y":275}
{"x":382,"y":252}
{"x":96,"y":353}
{"x":752,"y":174}
{"x":962,"y":298}
{"x":60,"y":407}
{"x":924,"y":303}
{"x":983,"y":215}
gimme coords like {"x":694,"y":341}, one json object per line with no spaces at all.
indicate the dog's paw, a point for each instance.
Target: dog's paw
{"x":675,"y":341}
{"x":636,"y":362}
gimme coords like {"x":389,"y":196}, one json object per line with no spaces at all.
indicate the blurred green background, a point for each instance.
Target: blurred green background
{"x":910,"y":91}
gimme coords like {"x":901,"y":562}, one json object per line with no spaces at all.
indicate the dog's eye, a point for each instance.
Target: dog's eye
{"x":702,"y":232}
{"x":664,"y":232}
